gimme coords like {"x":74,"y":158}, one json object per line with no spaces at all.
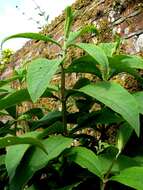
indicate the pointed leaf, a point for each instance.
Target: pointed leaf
{"x":86,"y":29}
{"x":131,"y":61}
{"x":68,"y":21}
{"x":33,"y":36}
{"x":15,"y":154}
{"x":98,"y":55}
{"x":139,"y":98}
{"x":39,"y":74}
{"x":14,"y":99}
{"x":118,"y":99}
{"x":85,"y":64}
{"x":108,"y":48}
{"x":131,"y":177}
{"x":37,"y":159}
{"x":86,"y":159}
{"x":12,"y":140}
{"x":123,"y":136}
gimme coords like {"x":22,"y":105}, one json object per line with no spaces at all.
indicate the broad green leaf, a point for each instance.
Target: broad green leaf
{"x":85,"y":64}
{"x":39,"y":74}
{"x":33,"y":36}
{"x":116,"y":70}
{"x":15,"y":154}
{"x":68,"y":21}
{"x":56,"y":128}
{"x":2,"y":160}
{"x":123,"y":136}
{"x":47,"y":120}
{"x":35,"y":112}
{"x":118,"y":99}
{"x":37,"y":159}
{"x":94,"y":119}
{"x":125,"y":61}
{"x":12,"y":111}
{"x":121,"y":163}
{"x":9,"y":80}
{"x":14,"y":98}
{"x":86,"y":159}
{"x":12,"y":140}
{"x":98,"y":55}
{"x":86,"y":29}
{"x":131,"y":177}
{"x":139,"y":98}
{"x":108,"y":48}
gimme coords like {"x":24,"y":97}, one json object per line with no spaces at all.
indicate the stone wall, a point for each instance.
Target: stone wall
{"x":123,"y":17}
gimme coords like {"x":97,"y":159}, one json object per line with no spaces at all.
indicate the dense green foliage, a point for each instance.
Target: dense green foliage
{"x":52,"y":152}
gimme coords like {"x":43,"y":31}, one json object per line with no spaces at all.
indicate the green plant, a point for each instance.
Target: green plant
{"x":51,"y":158}
{"x":5,"y":58}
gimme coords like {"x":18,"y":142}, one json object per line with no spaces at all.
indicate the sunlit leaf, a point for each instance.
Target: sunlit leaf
{"x":39,"y":74}
{"x":118,"y":99}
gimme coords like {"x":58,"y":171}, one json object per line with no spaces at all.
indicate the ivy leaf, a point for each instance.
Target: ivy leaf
{"x":118,"y":99}
{"x":131,"y":177}
{"x":33,"y":36}
{"x":39,"y":74}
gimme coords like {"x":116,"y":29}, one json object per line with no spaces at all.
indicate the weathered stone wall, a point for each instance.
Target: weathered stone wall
{"x":123,"y":17}
{"x":110,"y":17}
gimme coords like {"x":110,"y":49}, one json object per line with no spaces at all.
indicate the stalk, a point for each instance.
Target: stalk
{"x":63,"y":99}
{"x":105,"y":180}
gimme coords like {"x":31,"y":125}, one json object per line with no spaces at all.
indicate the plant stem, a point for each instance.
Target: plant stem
{"x":63,"y":99}
{"x":105,"y":180}
{"x":102,"y":185}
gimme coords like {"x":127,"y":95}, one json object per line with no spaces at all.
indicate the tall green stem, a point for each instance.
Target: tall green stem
{"x":63,"y":99}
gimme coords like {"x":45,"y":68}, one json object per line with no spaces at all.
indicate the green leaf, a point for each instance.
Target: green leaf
{"x":47,"y":120}
{"x":98,"y":55}
{"x":39,"y":74}
{"x":12,"y":111}
{"x":86,"y":29}
{"x":121,"y":163}
{"x":85,"y":64}
{"x":86,"y":159}
{"x":12,"y":140}
{"x":131,"y":177}
{"x":139,"y":98}
{"x":9,"y":80}
{"x":68,"y":21}
{"x":118,"y":99}
{"x":108,"y":48}
{"x":2,"y":160}
{"x":14,"y":99}
{"x":15,"y":154}
{"x":33,"y":36}
{"x":94,"y":119}
{"x":126,"y":61}
{"x":123,"y":136}
{"x":56,"y":128}
{"x":36,"y":160}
